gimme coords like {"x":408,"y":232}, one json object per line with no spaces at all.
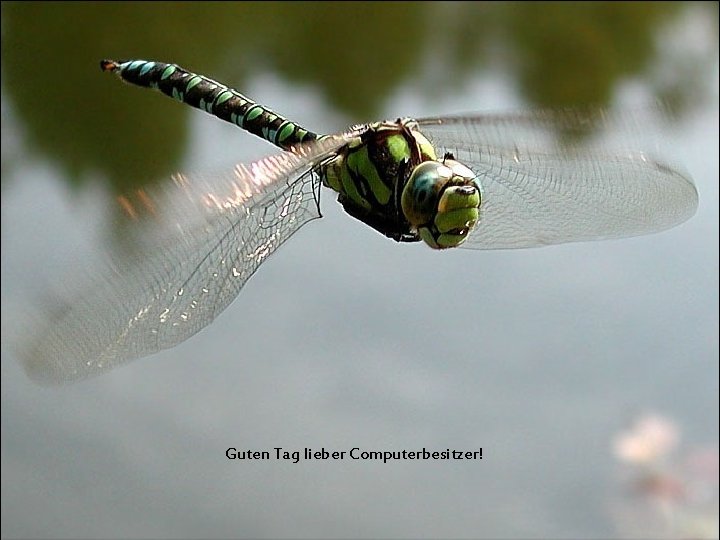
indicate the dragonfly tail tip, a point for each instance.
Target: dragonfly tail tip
{"x":108,"y":65}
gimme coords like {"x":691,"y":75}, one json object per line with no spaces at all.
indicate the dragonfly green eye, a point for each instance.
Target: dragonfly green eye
{"x":442,"y":201}
{"x":421,"y":193}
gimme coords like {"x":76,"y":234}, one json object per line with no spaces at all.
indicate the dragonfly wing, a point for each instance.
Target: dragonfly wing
{"x":205,"y":243}
{"x":555,"y":177}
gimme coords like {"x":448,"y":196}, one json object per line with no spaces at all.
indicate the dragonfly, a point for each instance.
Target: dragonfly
{"x":477,"y":181}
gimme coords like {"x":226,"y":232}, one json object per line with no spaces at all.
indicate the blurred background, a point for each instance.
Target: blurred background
{"x":588,"y":373}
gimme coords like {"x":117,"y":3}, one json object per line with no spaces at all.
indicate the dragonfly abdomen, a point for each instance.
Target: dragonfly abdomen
{"x":212,"y":97}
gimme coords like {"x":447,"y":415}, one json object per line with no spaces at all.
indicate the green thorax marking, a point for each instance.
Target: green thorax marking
{"x":370,"y":172}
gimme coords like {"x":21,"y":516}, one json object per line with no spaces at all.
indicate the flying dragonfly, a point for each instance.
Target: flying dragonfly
{"x":477,"y":181}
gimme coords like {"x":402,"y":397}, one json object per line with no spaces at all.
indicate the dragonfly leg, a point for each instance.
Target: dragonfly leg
{"x":394,"y":227}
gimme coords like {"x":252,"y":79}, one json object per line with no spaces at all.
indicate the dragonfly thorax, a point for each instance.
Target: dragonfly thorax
{"x":389,"y":177}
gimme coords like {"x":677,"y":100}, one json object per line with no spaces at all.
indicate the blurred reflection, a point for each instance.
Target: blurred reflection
{"x":671,"y":493}
{"x":355,"y":54}
{"x":649,"y":440}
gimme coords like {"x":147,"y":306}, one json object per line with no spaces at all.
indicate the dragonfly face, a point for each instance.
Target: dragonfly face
{"x":441,"y":200}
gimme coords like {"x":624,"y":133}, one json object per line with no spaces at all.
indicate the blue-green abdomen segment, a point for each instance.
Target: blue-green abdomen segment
{"x":212,"y":97}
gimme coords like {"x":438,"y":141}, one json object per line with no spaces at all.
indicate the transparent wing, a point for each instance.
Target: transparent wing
{"x":555,"y":177}
{"x":207,"y":239}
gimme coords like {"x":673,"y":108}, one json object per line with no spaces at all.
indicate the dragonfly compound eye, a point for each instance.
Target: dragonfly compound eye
{"x":442,"y":201}
{"x":422,"y":192}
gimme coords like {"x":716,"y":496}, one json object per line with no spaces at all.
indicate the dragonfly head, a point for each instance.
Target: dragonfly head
{"x":441,"y":200}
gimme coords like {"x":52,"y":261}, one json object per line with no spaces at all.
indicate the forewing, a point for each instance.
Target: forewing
{"x":555,"y":177}
{"x":207,"y":238}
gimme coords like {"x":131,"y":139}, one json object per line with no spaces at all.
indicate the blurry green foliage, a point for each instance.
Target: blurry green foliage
{"x":354,"y":53}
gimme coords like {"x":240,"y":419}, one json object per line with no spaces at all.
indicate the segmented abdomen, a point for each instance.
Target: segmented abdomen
{"x":212,"y":97}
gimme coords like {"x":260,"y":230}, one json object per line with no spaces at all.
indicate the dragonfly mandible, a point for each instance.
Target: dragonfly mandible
{"x":477,"y":181}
